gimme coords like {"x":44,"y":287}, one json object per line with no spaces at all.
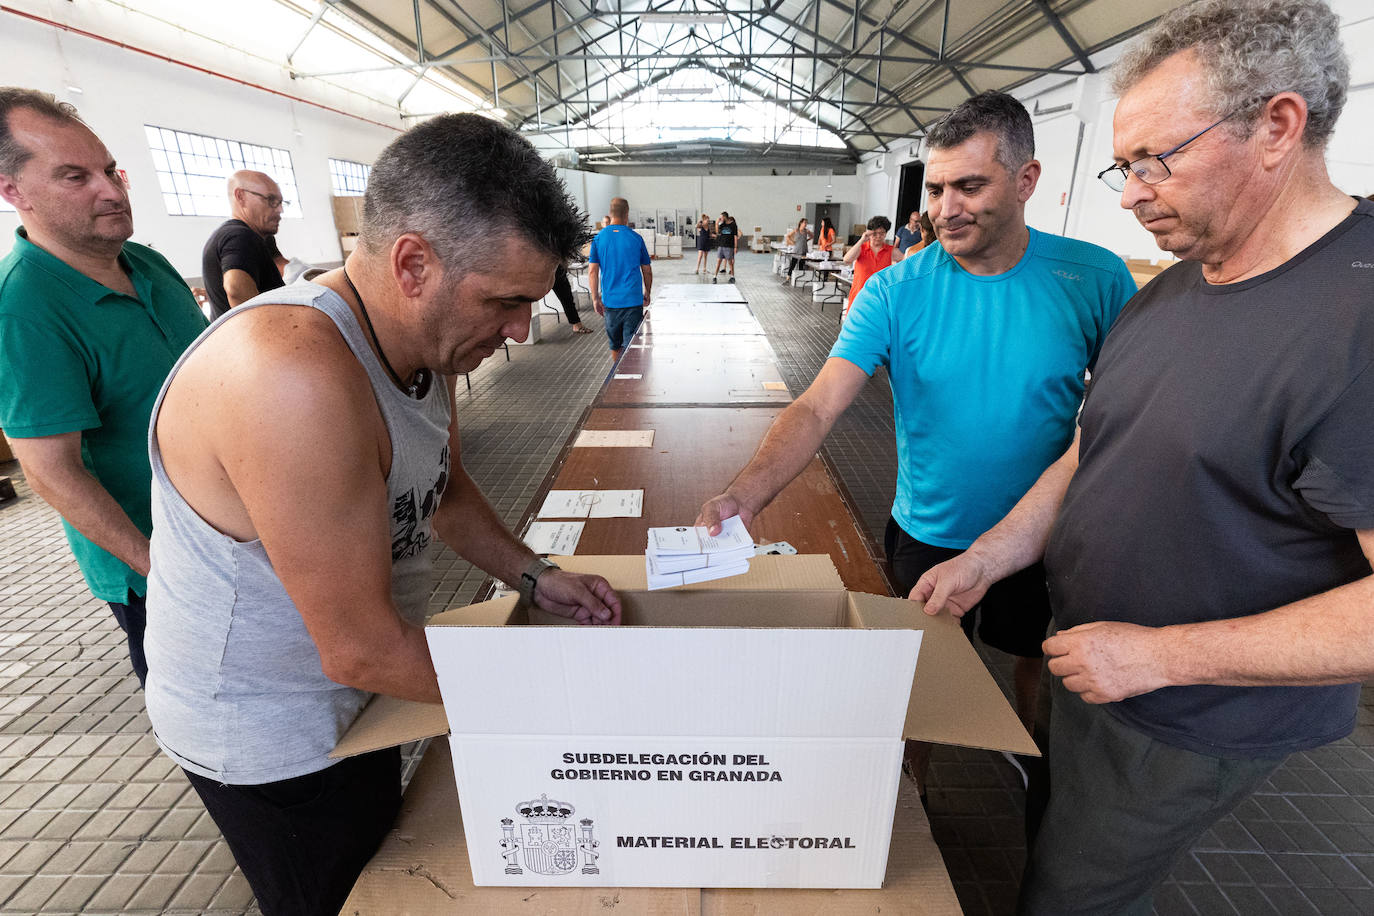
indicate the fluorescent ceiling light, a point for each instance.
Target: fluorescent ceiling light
{"x":694,"y":162}
{"x":686,"y":17}
{"x":686,"y":90}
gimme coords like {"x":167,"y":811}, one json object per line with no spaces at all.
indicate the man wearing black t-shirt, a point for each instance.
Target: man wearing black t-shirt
{"x":1208,"y":540}
{"x":727,"y":235}
{"x":237,"y":262}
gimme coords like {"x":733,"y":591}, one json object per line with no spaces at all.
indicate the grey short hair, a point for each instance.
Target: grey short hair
{"x":993,"y":112}
{"x":1251,"y":51}
{"x":12,"y":154}
{"x":462,"y":182}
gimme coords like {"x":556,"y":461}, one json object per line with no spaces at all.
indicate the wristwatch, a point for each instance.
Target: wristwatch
{"x":530,"y":577}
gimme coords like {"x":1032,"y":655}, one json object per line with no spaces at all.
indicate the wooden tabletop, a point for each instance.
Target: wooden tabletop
{"x":697,"y":369}
{"x":696,"y":452}
{"x":713,"y":318}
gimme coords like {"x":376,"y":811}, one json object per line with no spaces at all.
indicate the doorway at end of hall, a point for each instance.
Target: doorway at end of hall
{"x":910,"y":192}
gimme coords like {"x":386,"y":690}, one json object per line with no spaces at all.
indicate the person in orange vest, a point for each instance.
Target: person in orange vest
{"x":869,"y":255}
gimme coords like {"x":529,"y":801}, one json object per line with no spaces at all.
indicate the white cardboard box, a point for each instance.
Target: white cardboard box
{"x":734,"y":734}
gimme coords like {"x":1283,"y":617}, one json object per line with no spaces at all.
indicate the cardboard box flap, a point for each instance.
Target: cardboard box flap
{"x":809,"y":571}
{"x":954,"y":699}
{"x":389,"y":722}
{"x":656,"y":681}
{"x":498,"y":612}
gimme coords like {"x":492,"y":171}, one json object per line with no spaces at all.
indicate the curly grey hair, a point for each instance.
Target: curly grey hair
{"x":1251,"y":51}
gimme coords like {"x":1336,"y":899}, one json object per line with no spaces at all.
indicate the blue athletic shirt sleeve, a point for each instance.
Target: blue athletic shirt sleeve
{"x":866,"y":335}
{"x":594,"y":257}
{"x":643,"y":251}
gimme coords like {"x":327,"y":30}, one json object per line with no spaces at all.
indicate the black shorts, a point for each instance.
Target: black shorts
{"x":1014,"y":614}
{"x":303,"y":842}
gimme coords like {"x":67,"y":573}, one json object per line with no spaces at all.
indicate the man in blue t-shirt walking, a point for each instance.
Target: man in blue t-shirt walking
{"x":986,"y":338}
{"x":620,"y":277}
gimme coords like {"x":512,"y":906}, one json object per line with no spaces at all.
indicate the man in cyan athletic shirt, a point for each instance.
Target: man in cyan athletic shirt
{"x":305,"y":455}
{"x":1208,"y":539}
{"x":985,"y":339}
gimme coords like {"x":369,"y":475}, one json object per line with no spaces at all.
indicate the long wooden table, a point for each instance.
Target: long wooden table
{"x":697,"y":369}
{"x":696,"y":453}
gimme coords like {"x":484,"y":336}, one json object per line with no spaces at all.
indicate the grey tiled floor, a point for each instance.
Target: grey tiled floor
{"x":93,"y":820}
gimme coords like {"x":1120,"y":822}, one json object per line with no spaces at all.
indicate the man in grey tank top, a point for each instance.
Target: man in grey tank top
{"x":304,"y":456}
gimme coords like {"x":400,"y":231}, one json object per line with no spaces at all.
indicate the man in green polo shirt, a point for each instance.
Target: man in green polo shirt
{"x":90,"y":325}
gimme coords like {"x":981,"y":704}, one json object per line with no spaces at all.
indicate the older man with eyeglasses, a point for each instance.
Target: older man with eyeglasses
{"x":240,"y":259}
{"x":1208,"y":539}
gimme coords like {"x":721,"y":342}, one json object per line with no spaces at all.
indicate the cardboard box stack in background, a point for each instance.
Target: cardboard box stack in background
{"x":348,"y":221}
{"x":743,"y":733}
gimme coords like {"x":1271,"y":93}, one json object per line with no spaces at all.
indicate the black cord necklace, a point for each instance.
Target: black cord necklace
{"x":419,"y":387}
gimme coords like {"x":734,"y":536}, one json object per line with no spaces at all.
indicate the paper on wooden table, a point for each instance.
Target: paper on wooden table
{"x":554,"y":537}
{"x":614,"y":438}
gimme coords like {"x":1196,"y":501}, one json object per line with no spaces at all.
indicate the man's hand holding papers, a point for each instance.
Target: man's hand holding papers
{"x":683,"y":555}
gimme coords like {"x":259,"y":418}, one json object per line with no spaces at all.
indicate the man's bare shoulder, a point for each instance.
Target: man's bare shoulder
{"x":273,"y":402}
{"x":274,"y":345}
{"x":274,"y":367}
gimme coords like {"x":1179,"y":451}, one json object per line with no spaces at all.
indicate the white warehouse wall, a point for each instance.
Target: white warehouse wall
{"x":770,"y":201}
{"x":122,"y":90}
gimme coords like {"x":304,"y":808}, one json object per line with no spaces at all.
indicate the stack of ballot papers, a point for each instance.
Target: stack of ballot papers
{"x":683,"y":555}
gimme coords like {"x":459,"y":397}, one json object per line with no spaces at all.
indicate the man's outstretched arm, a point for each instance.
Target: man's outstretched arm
{"x":788,"y":446}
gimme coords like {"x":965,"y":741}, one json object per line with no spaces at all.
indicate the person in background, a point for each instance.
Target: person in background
{"x":620,"y":276}
{"x":908,"y":234}
{"x":238,"y":260}
{"x":703,"y":239}
{"x":797,"y":241}
{"x":562,"y":288}
{"x":825,"y":237}
{"x":90,"y":325}
{"x":727,"y":237}
{"x":925,"y":238}
{"x":869,"y":254}
{"x":1208,"y":536}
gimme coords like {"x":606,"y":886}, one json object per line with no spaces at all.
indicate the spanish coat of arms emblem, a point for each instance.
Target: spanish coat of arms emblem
{"x":548,"y":842}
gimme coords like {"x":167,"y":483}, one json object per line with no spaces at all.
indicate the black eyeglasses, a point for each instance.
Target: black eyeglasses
{"x":1149,"y":169}
{"x":271,"y":200}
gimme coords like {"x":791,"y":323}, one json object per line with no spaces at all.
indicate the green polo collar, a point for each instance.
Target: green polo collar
{"x":80,"y":284}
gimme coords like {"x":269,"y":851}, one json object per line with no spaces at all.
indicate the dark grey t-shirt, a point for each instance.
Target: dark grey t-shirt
{"x":1227,"y":460}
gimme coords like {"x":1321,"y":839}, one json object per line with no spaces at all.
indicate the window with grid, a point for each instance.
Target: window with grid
{"x":192,"y":168}
{"x":349,"y":177}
